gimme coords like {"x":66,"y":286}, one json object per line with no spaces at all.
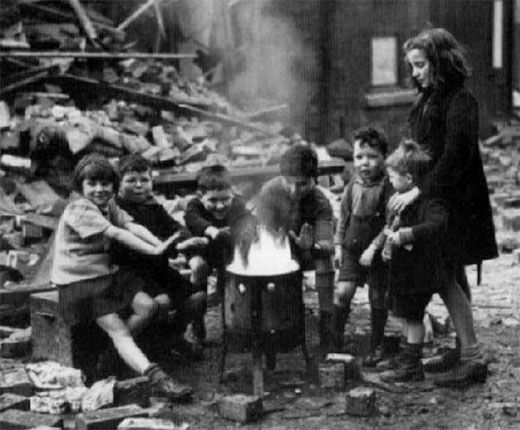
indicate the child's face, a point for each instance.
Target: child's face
{"x":368,"y":161}
{"x":217,"y":202}
{"x":98,"y":191}
{"x":298,"y":186}
{"x":136,"y":186}
{"x":401,"y":183}
{"x":420,"y":67}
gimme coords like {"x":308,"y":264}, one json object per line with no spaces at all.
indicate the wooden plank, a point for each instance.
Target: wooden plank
{"x":98,"y":55}
{"x":166,"y":178}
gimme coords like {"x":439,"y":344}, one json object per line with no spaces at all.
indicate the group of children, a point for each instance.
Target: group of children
{"x":401,"y":255}
{"x":114,"y":241}
{"x":112,"y":250}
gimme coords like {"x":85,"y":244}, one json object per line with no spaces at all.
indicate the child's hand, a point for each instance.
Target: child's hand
{"x":338,"y":256}
{"x":394,"y":238}
{"x":163,"y":246}
{"x":368,"y":256}
{"x":192,"y":242}
{"x":386,"y":254}
{"x":399,"y":201}
{"x":306,"y":239}
{"x":211,"y":232}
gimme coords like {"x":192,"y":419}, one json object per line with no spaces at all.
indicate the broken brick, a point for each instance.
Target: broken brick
{"x":331,"y":375}
{"x":361,"y":401}
{"x":241,"y":408}
{"x":15,"y":380}
{"x":146,"y":424}
{"x":107,"y":419}
{"x":15,"y":419}
{"x":14,"y":401}
{"x":351,"y":367}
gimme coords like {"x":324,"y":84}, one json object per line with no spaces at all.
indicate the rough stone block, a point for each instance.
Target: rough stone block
{"x":331,"y":375}
{"x":15,"y":381}
{"x":14,"y":419}
{"x":14,"y":401}
{"x":349,"y":362}
{"x":241,"y":408}
{"x":146,"y":424}
{"x":511,"y":219}
{"x":361,"y":401}
{"x":132,"y":391}
{"x":107,"y":419}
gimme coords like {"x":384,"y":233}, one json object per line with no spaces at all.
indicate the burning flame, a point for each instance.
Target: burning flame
{"x":269,"y":255}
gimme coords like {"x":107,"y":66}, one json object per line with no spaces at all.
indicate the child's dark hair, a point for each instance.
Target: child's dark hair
{"x":132,"y":163}
{"x":372,"y":137}
{"x":215,"y":177}
{"x":94,"y":166}
{"x":445,"y":53}
{"x":299,"y":160}
{"x":409,"y":158}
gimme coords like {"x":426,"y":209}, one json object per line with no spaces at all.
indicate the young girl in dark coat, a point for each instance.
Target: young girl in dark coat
{"x":415,"y":255}
{"x":445,"y":122}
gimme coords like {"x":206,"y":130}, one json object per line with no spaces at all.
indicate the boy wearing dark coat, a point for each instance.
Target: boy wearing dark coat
{"x":219,"y":215}
{"x":169,"y":289}
{"x":414,"y":249}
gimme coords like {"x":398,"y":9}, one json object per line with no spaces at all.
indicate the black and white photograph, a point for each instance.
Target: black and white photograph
{"x":259,"y":214}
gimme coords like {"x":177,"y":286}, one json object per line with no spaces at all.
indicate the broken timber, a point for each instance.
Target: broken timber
{"x":99,"y":55}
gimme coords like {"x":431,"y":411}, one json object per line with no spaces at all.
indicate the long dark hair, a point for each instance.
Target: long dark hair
{"x":446,"y":55}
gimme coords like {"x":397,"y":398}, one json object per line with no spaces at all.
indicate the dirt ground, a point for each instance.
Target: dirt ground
{"x":294,"y":401}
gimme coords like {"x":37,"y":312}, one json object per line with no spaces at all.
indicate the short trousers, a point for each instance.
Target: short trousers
{"x":409,"y":307}
{"x":376,"y":276}
{"x":90,"y":299}
{"x":168,"y":281}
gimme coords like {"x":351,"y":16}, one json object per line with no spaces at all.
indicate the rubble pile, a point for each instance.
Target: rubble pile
{"x":502,"y":167}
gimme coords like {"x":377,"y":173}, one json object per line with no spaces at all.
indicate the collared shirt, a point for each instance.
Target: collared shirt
{"x":81,"y":248}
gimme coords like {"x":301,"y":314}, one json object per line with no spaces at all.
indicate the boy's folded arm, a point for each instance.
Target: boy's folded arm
{"x":129,"y":240}
{"x":142,"y":233}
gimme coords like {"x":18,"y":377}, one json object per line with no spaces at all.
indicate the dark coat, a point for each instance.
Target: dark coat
{"x":154,"y":217}
{"x":421,"y":269}
{"x":446,"y":124}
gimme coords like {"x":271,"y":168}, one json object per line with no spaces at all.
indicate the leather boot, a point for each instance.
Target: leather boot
{"x":410,"y":369}
{"x":339,"y":320}
{"x":163,"y":385}
{"x":443,"y":362}
{"x":472,"y":368}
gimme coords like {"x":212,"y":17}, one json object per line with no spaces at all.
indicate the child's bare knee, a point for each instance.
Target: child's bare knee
{"x":199,"y":270}
{"x":144,"y":305}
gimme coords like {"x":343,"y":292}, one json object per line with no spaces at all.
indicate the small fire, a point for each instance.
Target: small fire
{"x":269,"y":255}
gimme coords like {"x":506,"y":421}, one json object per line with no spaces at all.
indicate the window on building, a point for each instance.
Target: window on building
{"x":384,"y":61}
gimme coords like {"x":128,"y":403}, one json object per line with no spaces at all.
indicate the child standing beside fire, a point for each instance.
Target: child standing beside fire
{"x":414,"y":250}
{"x":293,"y":204}
{"x":220,"y":215}
{"x":358,"y":239}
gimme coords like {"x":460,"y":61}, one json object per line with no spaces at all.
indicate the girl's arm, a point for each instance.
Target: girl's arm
{"x":133,"y":242}
{"x":142,"y":233}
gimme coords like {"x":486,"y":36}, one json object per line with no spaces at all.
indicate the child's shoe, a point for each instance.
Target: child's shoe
{"x":463,"y":374}
{"x":443,"y":362}
{"x":373,"y":357}
{"x":163,"y":385}
{"x":410,"y":369}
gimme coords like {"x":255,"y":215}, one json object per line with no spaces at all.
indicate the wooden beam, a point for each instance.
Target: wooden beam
{"x":143,"y":8}
{"x":51,"y":13}
{"x":84,"y":20}
{"x":101,"y":55}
